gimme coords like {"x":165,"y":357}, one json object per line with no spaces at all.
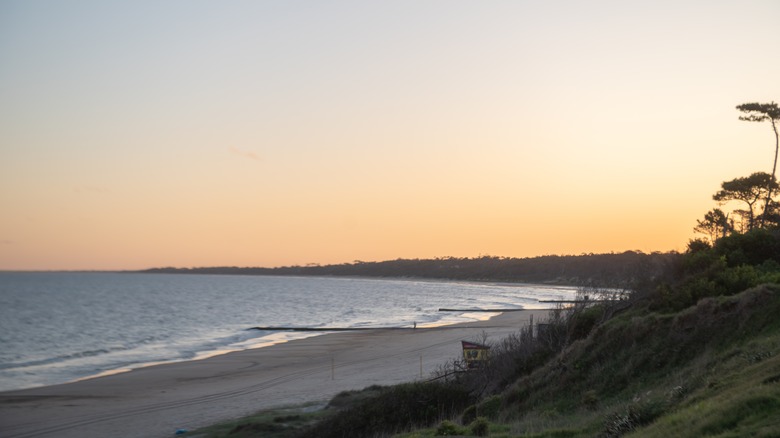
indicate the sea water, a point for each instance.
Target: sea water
{"x":60,"y":327}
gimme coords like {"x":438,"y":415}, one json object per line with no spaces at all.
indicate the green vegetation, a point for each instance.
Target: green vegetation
{"x":395,"y":409}
{"x":276,"y":423}
{"x":602,"y":269}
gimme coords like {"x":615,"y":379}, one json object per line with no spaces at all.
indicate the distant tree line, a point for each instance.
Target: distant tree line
{"x":604,"y":270}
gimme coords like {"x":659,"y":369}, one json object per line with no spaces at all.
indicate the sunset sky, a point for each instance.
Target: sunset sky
{"x":136,"y":134}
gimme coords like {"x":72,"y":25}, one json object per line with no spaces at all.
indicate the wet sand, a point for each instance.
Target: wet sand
{"x":156,"y":401}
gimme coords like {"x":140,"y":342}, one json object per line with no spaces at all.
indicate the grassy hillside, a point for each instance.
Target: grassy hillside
{"x":711,"y":369}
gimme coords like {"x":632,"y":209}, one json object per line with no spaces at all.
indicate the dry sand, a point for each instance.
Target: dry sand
{"x":156,"y":401}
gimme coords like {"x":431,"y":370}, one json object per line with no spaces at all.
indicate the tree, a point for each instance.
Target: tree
{"x":772,"y":215}
{"x":742,"y":219}
{"x":761,"y":112}
{"x":748,"y":190}
{"x":716,"y":224}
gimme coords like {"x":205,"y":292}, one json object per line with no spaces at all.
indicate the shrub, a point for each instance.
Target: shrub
{"x":751,"y":248}
{"x":582,"y":322}
{"x":469,"y":415}
{"x":448,"y":428}
{"x":395,"y":409}
{"x":491,"y":407}
{"x":480,"y":427}
{"x":346,"y":399}
{"x":734,"y":264}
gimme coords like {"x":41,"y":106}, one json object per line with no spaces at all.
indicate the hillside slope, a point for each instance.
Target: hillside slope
{"x":693,"y":356}
{"x":709,"y":370}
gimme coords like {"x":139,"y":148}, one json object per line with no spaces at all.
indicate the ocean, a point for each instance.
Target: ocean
{"x":60,"y":327}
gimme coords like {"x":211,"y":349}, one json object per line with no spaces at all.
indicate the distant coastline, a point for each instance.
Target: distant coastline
{"x":612,"y":269}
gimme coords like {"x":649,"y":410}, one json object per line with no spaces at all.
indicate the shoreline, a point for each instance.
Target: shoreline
{"x":280,"y":335}
{"x":157,"y":400}
{"x":97,"y":355}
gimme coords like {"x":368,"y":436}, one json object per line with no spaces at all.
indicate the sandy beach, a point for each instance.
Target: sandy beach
{"x":155,"y":401}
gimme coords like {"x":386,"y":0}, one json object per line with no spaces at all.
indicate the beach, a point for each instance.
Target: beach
{"x":156,"y":401}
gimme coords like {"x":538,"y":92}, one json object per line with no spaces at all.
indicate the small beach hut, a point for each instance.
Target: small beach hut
{"x":474,"y":354}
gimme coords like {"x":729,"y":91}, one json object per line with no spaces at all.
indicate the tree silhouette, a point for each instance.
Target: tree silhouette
{"x":716,"y":224}
{"x":761,"y":112}
{"x":749,"y":190}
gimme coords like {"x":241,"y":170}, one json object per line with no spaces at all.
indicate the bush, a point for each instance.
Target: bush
{"x":469,"y":415}
{"x":491,"y":407}
{"x":395,"y":409}
{"x":347,"y":399}
{"x":751,"y":248}
{"x":582,"y":322}
{"x":448,"y":428}
{"x":480,"y":427}
{"x":736,"y":263}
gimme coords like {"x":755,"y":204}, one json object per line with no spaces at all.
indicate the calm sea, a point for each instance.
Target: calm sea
{"x":60,"y":327}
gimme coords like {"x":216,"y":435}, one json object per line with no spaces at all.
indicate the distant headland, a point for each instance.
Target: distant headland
{"x":611,"y":269}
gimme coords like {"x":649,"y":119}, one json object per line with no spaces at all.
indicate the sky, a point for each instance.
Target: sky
{"x":266,"y":133}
